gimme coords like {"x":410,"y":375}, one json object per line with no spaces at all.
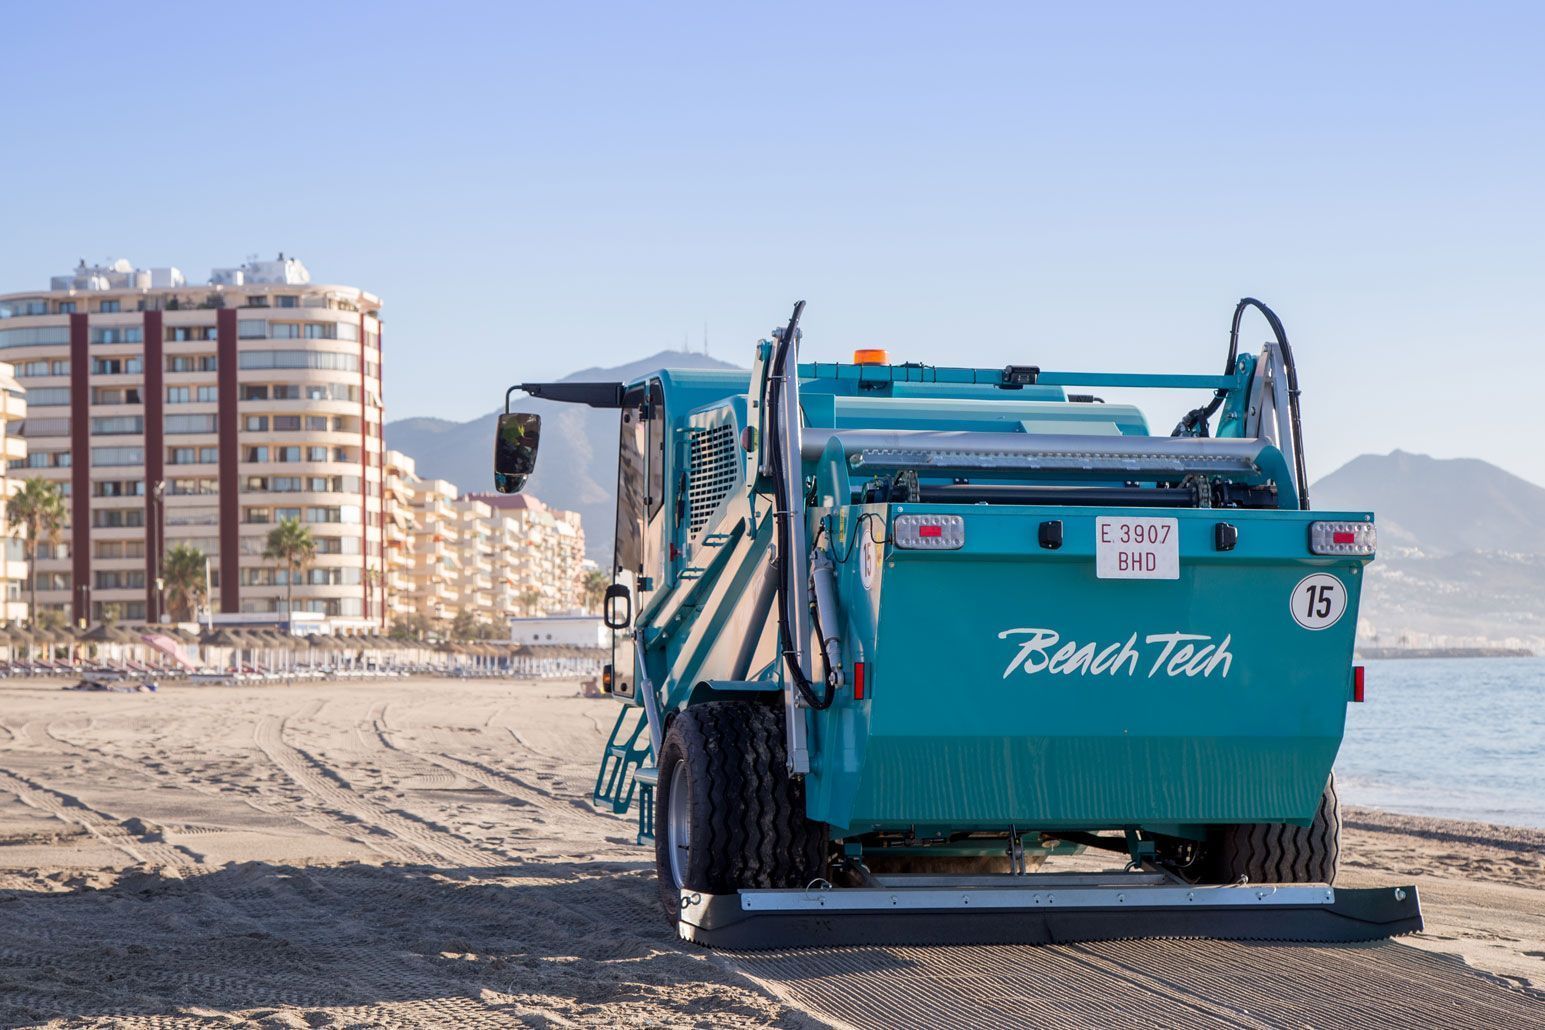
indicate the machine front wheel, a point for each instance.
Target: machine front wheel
{"x":1280,"y":852}
{"x":727,"y":813}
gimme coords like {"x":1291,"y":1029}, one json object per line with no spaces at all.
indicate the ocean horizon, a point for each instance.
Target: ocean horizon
{"x":1453,"y":738}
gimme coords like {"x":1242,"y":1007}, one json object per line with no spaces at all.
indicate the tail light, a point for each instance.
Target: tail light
{"x":930,"y":532}
{"x":1342,"y":538}
{"x":1357,"y":683}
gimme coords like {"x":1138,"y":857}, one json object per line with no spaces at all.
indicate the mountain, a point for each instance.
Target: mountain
{"x":1462,"y":550}
{"x":577,"y":468}
{"x":1442,"y":506}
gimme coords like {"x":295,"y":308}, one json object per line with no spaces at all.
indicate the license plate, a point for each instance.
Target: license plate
{"x":1127,"y":548}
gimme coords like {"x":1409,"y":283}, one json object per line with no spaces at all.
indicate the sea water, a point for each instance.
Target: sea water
{"x":1457,"y":738}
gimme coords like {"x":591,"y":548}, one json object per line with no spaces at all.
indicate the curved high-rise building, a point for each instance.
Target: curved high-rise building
{"x":204,"y":414}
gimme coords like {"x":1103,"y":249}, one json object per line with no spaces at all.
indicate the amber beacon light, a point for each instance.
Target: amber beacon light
{"x":871,"y":356}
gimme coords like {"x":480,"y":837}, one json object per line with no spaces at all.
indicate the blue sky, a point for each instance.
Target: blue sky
{"x":538,"y":188}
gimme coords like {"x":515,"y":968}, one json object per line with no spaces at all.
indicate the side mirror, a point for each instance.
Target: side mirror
{"x":613,"y":615}
{"x":515,"y":443}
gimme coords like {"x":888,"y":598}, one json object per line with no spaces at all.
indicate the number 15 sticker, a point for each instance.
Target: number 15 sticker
{"x":1318,"y":601}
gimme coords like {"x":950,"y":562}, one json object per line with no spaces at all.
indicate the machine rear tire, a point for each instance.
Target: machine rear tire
{"x":727,"y":807}
{"x":1281,"y":852}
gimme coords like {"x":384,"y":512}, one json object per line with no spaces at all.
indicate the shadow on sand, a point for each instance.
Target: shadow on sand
{"x":385,"y":944}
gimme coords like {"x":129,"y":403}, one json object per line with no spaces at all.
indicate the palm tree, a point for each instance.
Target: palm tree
{"x":183,"y":572}
{"x":38,"y":507}
{"x":290,"y":544}
{"x":530,"y":597}
{"x":592,"y":587}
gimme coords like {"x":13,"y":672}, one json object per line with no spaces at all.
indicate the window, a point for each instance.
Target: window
{"x":118,"y":425}
{"x":251,"y":329}
{"x":117,"y":334}
{"x":317,"y":454}
{"x":286,"y":423}
{"x":121,"y":579}
{"x":300,"y":359}
{"x":35,"y":427}
{"x":185,"y":487}
{"x":286,"y":392}
{"x":115,"y":395}
{"x":66,"y":307}
{"x":180,"y":516}
{"x":178,"y":394}
{"x":286,"y":301}
{"x":35,"y":337}
{"x":43,"y":368}
{"x":117,"y":366}
{"x":104,"y":456}
{"x":192,"y":363}
{"x":207,"y":394}
{"x":23,"y":308}
{"x":111,"y":549}
{"x":177,"y":424}
{"x":118,"y":488}
{"x":257,"y":453}
{"x":254,"y":392}
{"x":131,"y":611}
{"x":108,"y":307}
{"x":255,"y":423}
{"x":182,"y":333}
{"x":43,"y":396}
{"x":192,"y":455}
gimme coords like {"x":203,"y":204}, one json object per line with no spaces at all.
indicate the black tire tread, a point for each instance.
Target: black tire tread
{"x":748,"y":815}
{"x":1282,"y":852}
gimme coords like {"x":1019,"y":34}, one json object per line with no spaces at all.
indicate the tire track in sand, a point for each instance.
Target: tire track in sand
{"x":324,"y":823}
{"x":331,"y":790}
{"x":101,"y":825}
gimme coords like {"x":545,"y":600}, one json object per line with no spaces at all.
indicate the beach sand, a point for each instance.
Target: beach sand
{"x":424,"y":853}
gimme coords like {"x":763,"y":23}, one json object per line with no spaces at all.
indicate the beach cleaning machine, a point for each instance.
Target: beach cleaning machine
{"x":889,"y":635}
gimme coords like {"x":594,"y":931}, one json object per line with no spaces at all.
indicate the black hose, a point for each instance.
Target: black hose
{"x":1291,"y":367}
{"x":1195,"y":421}
{"x":783,"y":503}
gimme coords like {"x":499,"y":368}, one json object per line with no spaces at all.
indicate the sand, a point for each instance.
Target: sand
{"x":425,"y":854}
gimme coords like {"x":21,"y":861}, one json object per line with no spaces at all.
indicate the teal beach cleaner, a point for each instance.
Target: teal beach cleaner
{"x":887,"y":636}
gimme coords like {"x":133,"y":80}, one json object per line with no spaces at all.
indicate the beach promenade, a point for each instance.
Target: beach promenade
{"x":424,"y":853}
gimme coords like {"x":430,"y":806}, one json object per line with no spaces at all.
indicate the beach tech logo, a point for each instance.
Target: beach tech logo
{"x":1173,"y":654}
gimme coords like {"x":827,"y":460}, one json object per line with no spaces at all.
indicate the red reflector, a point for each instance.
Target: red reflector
{"x":859,"y":677}
{"x":1357,"y":683}
{"x":1342,"y":536}
{"x":930,"y":530}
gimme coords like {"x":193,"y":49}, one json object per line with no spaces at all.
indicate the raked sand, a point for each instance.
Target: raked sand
{"x":425,"y":854}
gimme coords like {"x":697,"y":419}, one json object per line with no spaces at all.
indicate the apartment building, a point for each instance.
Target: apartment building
{"x":170,"y":412}
{"x":436,"y":576}
{"x":400,"y":521}
{"x":489,"y":555}
{"x":548,"y":554}
{"x":13,"y":448}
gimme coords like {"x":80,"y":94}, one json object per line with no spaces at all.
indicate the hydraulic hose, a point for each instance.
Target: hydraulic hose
{"x":1198,"y":418}
{"x":785,"y":511}
{"x":1300,"y":470}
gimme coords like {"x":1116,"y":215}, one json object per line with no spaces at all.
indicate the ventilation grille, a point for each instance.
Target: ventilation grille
{"x":711,"y":474}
